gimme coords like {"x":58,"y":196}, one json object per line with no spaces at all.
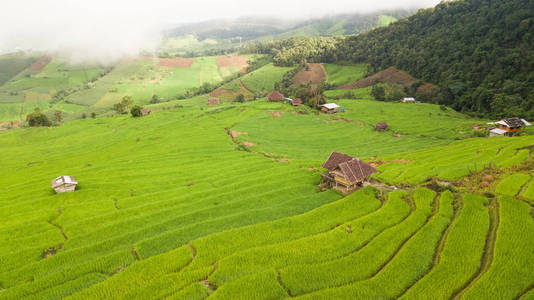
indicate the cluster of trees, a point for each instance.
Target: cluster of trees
{"x":479,"y":53}
{"x":295,"y":51}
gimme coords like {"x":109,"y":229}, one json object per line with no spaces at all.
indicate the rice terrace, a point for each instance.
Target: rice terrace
{"x":242,"y":160}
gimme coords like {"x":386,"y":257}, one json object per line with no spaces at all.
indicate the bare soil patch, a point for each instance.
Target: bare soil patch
{"x":249,"y":144}
{"x":176,"y":62}
{"x":235,"y":134}
{"x":315,"y":74}
{"x":390,"y":75}
{"x":239,"y":62}
{"x":10,"y":125}
{"x":40,"y":63}
{"x":276,"y":114}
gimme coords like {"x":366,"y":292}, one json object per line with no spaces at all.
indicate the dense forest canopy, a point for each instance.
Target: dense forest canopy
{"x":479,"y":52}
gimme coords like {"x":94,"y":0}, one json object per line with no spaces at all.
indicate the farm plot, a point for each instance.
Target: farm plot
{"x":171,"y":206}
{"x":453,"y":161}
{"x":263,"y":79}
{"x":313,"y":137}
{"x":341,"y":74}
{"x":105,"y":227}
{"x":313,"y":74}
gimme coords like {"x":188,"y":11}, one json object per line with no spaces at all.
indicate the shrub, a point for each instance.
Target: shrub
{"x":136,"y":111}
{"x":37,"y":119}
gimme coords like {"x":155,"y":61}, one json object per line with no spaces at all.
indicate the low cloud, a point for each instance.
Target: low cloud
{"x":108,"y":30}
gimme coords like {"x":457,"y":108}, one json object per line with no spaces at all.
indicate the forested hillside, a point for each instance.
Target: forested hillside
{"x":479,"y":52}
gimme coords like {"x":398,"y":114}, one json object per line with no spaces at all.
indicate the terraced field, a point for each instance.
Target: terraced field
{"x":176,"y":205}
{"x":94,"y":89}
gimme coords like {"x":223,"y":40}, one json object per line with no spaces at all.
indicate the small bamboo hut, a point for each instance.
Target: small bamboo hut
{"x":64,"y":184}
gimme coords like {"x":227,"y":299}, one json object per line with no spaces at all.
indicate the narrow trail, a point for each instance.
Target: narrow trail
{"x":489,"y":248}
{"x":441,"y":245}
{"x":210,"y":286}
{"x":244,"y":87}
{"x":435,"y":207}
{"x":51,"y":222}
{"x":134,"y":253}
{"x":285,"y":288}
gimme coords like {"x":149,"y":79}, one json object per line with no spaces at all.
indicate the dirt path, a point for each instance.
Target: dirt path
{"x":244,"y":87}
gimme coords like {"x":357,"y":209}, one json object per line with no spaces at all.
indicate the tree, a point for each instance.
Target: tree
{"x":154,"y":99}
{"x":93,"y":115}
{"x":58,"y":115}
{"x":123,"y":106}
{"x":239,"y":98}
{"x":38,"y":119}
{"x":136,"y":111}
{"x":378,"y":92}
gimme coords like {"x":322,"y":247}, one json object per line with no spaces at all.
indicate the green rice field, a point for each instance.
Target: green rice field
{"x":171,"y":206}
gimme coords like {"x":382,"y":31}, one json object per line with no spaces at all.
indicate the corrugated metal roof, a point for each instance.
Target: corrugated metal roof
{"x":331,"y":105}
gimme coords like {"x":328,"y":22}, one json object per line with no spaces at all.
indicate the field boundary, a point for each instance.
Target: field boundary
{"x":489,"y":248}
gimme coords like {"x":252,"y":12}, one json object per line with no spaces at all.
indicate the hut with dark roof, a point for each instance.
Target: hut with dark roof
{"x":509,"y":126}
{"x":275,"y":96}
{"x":296,"y":102}
{"x":346,"y":173}
{"x":381,"y":127}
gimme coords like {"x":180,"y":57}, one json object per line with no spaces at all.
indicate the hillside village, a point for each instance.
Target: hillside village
{"x":212,"y":170}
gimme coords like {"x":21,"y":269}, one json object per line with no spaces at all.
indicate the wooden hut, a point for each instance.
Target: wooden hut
{"x":509,"y":126}
{"x":213,"y":101}
{"x":346,"y":173}
{"x":145,"y":112}
{"x":275,"y":96}
{"x":329,"y":108}
{"x":381,"y":127}
{"x":296,"y":102}
{"x":64,"y":184}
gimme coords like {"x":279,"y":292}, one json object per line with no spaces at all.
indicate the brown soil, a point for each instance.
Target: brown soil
{"x":316,"y":75}
{"x":276,"y":114}
{"x":10,"y":125}
{"x":239,"y":62}
{"x":235,"y":134}
{"x":347,"y":121}
{"x":390,"y":75}
{"x":249,"y":144}
{"x":176,"y":62}
{"x":40,"y":63}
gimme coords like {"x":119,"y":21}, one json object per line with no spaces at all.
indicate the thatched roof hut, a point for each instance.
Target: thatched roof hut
{"x":296,"y":102}
{"x":381,"y":127}
{"x":275,"y":96}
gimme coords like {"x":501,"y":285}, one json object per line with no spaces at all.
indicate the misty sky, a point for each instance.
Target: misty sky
{"x":108,"y":29}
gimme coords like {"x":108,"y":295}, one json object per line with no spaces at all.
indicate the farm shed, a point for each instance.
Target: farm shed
{"x":508,"y":126}
{"x":213,"y":101}
{"x":145,"y":112}
{"x":408,"y":100}
{"x":329,"y":108}
{"x":275,"y":96}
{"x":296,"y":102}
{"x":381,"y":127}
{"x":345,"y":173}
{"x":64,"y":184}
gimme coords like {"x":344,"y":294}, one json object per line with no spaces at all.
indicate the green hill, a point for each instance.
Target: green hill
{"x":223,"y":202}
